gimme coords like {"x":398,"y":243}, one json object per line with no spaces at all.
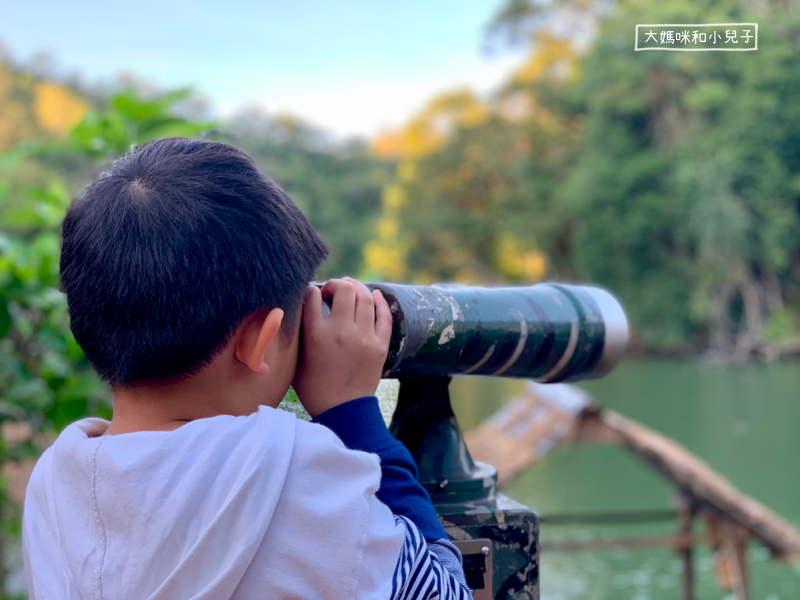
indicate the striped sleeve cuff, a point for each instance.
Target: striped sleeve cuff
{"x":421,"y":575}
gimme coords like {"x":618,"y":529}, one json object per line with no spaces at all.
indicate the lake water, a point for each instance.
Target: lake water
{"x":743,"y":421}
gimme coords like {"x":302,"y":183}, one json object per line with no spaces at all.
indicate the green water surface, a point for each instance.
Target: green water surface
{"x":743,"y":421}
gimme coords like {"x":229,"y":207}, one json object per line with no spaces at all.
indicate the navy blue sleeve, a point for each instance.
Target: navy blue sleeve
{"x":359,"y":424}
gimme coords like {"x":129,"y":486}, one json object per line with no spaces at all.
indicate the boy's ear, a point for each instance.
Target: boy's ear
{"x":254,"y":339}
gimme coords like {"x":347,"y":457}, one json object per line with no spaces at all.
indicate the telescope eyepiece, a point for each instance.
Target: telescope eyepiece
{"x":615,"y":322}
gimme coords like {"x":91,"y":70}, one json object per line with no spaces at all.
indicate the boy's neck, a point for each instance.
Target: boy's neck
{"x":145,"y":409}
{"x":215,"y":390}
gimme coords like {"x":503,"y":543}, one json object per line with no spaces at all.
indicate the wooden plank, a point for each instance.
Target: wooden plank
{"x":729,"y":543}
{"x":528,"y":427}
{"x":544,"y":416}
{"x":708,"y":488}
{"x":736,"y":551}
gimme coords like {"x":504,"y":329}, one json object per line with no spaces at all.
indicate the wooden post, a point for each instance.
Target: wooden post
{"x":729,"y":541}
{"x":735,"y":551}
{"x":686,"y":520}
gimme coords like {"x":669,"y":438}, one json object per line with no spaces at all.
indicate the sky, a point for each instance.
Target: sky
{"x":355,"y":67}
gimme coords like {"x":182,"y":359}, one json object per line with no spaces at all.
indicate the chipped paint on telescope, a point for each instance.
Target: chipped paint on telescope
{"x":548,"y":332}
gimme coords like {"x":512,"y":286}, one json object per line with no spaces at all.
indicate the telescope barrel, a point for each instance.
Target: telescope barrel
{"x":548,"y":332}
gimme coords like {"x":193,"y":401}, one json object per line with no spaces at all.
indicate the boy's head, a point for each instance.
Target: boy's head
{"x":165,"y":256}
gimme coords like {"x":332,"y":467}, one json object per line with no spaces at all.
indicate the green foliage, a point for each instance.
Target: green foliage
{"x":131,"y":120}
{"x":781,"y":326}
{"x":683,"y":194}
{"x":291,"y":396}
{"x":45,"y":380}
{"x":668,"y":177}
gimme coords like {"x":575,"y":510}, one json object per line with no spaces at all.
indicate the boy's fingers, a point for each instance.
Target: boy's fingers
{"x":344,"y":298}
{"x":383,"y":318}
{"x":312,"y":306}
{"x":365,"y":306}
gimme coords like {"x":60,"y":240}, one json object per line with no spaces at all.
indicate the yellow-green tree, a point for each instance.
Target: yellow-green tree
{"x":460,"y":205}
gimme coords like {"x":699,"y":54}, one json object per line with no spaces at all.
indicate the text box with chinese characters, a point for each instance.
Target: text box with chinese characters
{"x":723,"y":37}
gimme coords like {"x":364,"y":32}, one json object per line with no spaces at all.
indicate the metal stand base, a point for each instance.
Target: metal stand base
{"x":497,"y":536}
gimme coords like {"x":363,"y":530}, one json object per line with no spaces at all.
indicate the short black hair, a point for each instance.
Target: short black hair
{"x":164,"y":256}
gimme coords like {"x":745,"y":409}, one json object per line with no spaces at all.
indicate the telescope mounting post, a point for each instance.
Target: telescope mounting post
{"x":424,"y":421}
{"x":497,"y":536}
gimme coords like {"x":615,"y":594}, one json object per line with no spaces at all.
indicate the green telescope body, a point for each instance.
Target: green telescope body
{"x":549,"y":332}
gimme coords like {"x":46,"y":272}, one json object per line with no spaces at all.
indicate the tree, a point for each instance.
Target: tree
{"x":682,"y":195}
{"x":666,"y":177}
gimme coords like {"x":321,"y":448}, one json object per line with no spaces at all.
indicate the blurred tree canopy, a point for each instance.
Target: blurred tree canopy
{"x":32,"y":107}
{"x":671,"y":178}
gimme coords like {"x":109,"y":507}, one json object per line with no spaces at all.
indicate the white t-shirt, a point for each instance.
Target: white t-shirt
{"x":263,"y":506}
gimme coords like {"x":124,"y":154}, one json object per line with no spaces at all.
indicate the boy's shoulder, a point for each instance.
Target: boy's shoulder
{"x":307,"y":441}
{"x":216,"y":449}
{"x":66,"y":455}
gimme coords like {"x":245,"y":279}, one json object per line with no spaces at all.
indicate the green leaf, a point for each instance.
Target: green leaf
{"x":5,"y":317}
{"x":64,"y":413}
{"x":291,"y":396}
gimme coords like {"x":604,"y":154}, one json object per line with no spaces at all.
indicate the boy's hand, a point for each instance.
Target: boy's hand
{"x":342,"y":356}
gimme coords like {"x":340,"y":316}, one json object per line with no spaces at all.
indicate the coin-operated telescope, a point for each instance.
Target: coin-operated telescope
{"x":548,"y":332}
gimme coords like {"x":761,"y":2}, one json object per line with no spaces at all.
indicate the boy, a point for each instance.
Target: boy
{"x":186,"y":272}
